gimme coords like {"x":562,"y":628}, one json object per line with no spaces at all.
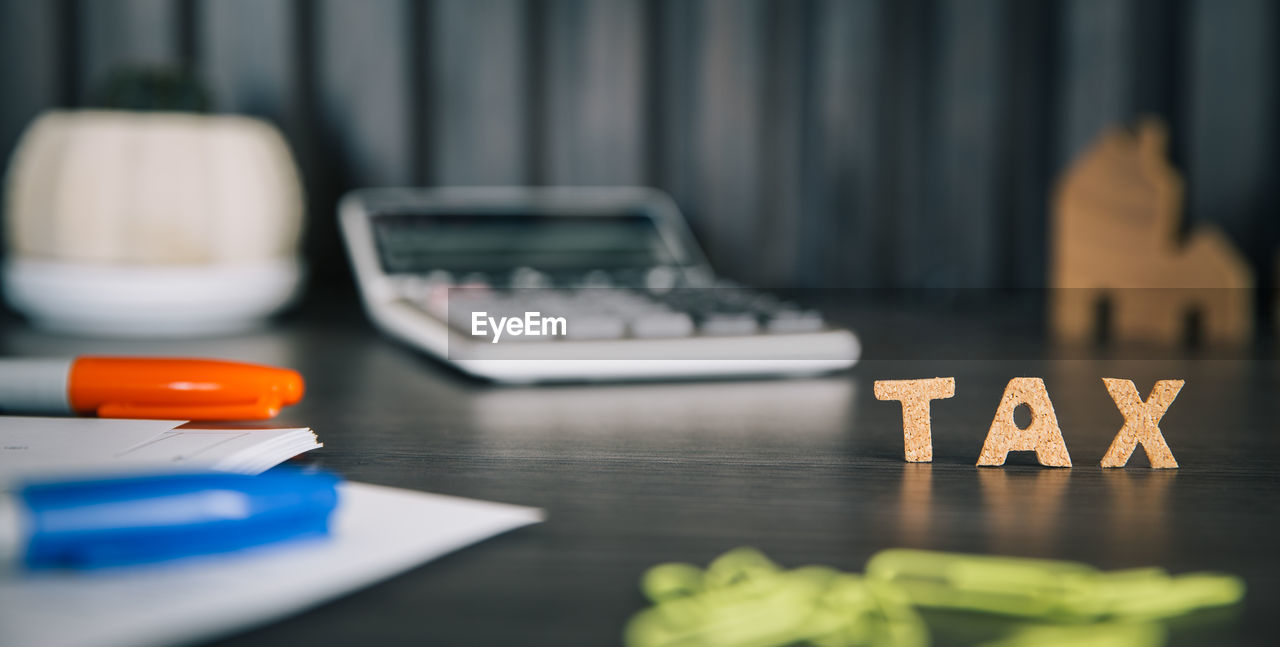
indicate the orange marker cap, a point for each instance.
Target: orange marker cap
{"x":184,"y":389}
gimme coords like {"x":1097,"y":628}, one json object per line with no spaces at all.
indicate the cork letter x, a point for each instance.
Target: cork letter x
{"x":1141,"y":422}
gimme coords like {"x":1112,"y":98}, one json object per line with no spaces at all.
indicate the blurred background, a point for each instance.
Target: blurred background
{"x":877,"y":143}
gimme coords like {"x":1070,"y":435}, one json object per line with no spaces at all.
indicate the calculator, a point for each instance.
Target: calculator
{"x":521,"y":285}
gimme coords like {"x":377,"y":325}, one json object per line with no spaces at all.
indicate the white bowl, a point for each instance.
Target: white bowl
{"x":118,"y":300}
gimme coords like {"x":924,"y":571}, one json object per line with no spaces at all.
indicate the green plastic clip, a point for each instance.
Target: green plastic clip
{"x":1048,"y":590}
{"x":745,"y":600}
{"x":742,"y":599}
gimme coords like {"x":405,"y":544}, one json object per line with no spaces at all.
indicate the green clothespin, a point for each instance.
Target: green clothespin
{"x":1052,"y":591}
{"x":745,"y":600}
{"x":742,"y":599}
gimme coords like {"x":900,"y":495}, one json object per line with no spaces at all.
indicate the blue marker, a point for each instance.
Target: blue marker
{"x":138,"y":519}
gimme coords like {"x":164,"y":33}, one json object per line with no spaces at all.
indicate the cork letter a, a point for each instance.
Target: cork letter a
{"x":1043,"y":434}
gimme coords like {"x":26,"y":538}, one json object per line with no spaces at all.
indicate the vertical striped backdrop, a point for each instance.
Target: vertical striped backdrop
{"x":881,"y":143}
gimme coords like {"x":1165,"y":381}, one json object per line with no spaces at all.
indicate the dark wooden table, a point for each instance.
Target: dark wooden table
{"x":810,"y":470}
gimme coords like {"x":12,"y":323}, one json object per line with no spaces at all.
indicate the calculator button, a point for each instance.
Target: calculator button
{"x":438,"y":277}
{"x":729,"y":324}
{"x":661,"y":279}
{"x":792,"y":321}
{"x":434,"y":300}
{"x":527,"y":277}
{"x":662,"y":324}
{"x":596,"y":327}
{"x":413,"y":288}
{"x":597,"y":279}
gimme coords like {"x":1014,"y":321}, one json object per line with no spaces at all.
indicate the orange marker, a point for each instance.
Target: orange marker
{"x":136,"y":387}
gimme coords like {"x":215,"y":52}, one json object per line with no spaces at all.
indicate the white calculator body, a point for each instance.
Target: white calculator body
{"x":615,"y":271}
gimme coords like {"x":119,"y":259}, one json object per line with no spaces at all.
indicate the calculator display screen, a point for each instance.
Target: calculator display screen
{"x":494,"y":242}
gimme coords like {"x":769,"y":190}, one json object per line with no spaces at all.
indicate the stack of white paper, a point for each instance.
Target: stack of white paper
{"x":77,"y":447}
{"x":377,"y":532}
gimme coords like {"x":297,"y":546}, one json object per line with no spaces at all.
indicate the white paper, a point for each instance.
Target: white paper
{"x":92,"y":446}
{"x":378,"y":532}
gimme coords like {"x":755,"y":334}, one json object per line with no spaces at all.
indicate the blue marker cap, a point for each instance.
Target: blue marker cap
{"x":132,"y":520}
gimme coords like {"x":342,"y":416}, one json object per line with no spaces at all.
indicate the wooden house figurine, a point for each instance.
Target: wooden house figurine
{"x":1117,"y":248}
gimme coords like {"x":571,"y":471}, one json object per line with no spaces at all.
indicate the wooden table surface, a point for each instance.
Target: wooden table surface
{"x":808,"y":470}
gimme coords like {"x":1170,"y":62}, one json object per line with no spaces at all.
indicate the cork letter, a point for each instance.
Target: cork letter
{"x":915,"y":396}
{"x":1141,"y":422}
{"x":1043,"y":434}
